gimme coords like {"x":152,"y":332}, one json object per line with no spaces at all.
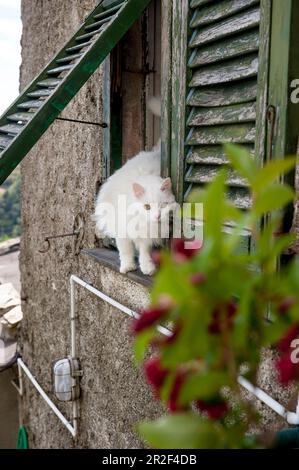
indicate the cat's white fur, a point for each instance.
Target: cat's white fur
{"x":140,"y":183}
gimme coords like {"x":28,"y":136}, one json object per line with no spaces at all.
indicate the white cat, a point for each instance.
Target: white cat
{"x":132,"y":206}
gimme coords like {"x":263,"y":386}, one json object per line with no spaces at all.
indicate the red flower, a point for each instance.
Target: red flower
{"x":215,"y":410}
{"x":173,"y":403}
{"x":148,"y":317}
{"x":285,"y":343}
{"x":287,"y":370}
{"x":184,"y":250}
{"x":286,"y":305}
{"x":155,"y":373}
{"x":197,"y":279}
{"x":223,"y":317}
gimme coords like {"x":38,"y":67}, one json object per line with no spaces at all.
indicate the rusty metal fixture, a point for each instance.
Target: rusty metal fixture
{"x":78,"y":233}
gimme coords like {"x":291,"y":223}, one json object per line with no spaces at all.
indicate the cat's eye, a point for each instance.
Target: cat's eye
{"x":147,"y":207}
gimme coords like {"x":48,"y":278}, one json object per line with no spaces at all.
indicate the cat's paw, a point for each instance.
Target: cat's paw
{"x":127,"y":267}
{"x":148,"y":268}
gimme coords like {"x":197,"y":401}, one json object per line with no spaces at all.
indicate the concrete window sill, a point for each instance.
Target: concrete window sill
{"x":110,"y":259}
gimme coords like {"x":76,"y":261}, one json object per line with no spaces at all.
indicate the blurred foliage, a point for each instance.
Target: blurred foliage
{"x":10,"y":218}
{"x":216,"y":301}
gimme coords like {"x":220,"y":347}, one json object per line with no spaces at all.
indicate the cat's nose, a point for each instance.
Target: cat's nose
{"x":158,"y":216}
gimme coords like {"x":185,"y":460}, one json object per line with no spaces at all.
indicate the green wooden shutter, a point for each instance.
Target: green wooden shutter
{"x":25,"y":121}
{"x":227,"y":88}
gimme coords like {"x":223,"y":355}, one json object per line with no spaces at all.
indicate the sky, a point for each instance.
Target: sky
{"x":10,"y":51}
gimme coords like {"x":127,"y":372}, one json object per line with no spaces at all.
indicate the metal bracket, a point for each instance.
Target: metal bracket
{"x":78,"y":233}
{"x":104,"y":125}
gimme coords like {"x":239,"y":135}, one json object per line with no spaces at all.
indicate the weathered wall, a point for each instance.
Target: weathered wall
{"x":59,"y":180}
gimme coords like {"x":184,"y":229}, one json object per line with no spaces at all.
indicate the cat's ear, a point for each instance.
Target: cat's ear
{"x":138,"y":189}
{"x":166,"y":186}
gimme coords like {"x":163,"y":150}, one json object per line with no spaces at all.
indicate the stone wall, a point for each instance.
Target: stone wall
{"x":59,"y":180}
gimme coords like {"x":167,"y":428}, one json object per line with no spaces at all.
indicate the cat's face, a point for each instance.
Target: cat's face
{"x":154,"y":198}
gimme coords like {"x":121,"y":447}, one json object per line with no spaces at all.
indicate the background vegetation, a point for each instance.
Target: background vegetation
{"x":10,"y":207}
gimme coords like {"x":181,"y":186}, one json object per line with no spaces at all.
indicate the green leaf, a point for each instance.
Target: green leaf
{"x":171,"y":280}
{"x":231,"y":213}
{"x":141,"y":343}
{"x":203,"y":386}
{"x":182,"y":431}
{"x":274,"y":198}
{"x":271,"y":172}
{"x":242,"y":161}
{"x":213,"y":207}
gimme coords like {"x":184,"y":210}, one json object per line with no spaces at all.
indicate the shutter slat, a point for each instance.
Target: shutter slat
{"x":40,"y":93}
{"x":23,"y":117}
{"x":11,"y":129}
{"x":107,"y":12}
{"x":210,"y":155}
{"x":5,"y":141}
{"x":98,"y":23}
{"x":223,"y":95}
{"x":237,"y":133}
{"x":240,"y":197}
{"x":207,"y":173}
{"x":233,"y":70}
{"x":197,"y":3}
{"x":227,"y":49}
{"x":219,"y":11}
{"x":34,"y":104}
{"x":222,"y":115}
{"x":49,"y":83}
{"x":226,"y":28}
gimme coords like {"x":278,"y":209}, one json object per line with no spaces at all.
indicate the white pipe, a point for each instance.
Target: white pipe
{"x":292,"y":418}
{"x":264,"y":397}
{"x":114,"y":303}
{"x":73,"y":321}
{"x":75,"y":413}
{"x":47,"y":399}
{"x":75,"y":404}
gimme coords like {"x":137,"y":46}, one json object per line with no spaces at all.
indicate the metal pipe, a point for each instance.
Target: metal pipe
{"x":75,"y":417}
{"x":114,"y":303}
{"x":49,"y":402}
{"x":20,"y":376}
{"x":264,"y":397}
{"x":291,"y":417}
{"x":75,"y":404}
{"x":73,"y":321}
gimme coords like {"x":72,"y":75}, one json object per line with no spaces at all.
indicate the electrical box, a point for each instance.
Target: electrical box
{"x":67,"y":375}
